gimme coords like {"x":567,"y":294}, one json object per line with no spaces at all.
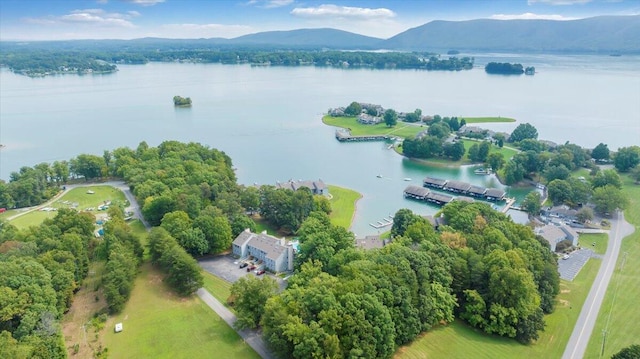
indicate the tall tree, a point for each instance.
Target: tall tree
{"x":600,"y":152}
{"x":523,"y":132}
{"x":390,"y":117}
{"x":249,"y":296}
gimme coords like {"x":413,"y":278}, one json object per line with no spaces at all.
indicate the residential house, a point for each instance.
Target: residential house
{"x":276,"y":255}
{"x":556,"y":234}
{"x":370,"y":242}
{"x":562,"y":212}
{"x":316,"y":187}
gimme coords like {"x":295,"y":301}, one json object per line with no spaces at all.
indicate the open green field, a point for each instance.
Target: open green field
{"x":619,"y":314}
{"x":343,"y":205}
{"x":587,"y":240}
{"x":507,"y":152}
{"x":159,"y":324}
{"x":358,"y":129}
{"x":77,"y":195}
{"x":457,"y":340}
{"x":218,"y":287}
{"x":81,"y":196}
{"x":471,"y":120}
{"x":33,"y":218}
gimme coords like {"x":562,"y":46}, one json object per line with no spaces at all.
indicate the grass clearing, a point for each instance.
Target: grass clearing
{"x":343,"y":205}
{"x":159,"y":324}
{"x":601,"y":240}
{"x":85,"y":199}
{"x":88,"y":301}
{"x":488,"y":119}
{"x":402,"y":129}
{"x":458,"y":340}
{"x":33,"y":218}
{"x":619,"y":314}
{"x":218,"y":287}
{"x":507,"y":152}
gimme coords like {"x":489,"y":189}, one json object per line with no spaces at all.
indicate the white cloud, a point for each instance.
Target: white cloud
{"x":145,"y":2}
{"x":558,"y":2}
{"x":530,"y":16}
{"x":97,"y":17}
{"x":335,"y":11}
{"x":204,"y":30}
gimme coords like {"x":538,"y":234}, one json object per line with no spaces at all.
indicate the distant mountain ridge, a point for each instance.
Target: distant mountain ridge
{"x":602,"y":34}
{"x":597,"y":35}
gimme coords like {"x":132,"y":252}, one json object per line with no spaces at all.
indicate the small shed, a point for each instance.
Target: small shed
{"x":118,"y":328}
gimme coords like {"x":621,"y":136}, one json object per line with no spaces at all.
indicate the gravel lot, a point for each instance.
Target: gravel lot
{"x":570,"y":267}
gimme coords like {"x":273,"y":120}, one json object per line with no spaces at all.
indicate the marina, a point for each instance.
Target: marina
{"x":464,"y":188}
{"x":385,"y":222}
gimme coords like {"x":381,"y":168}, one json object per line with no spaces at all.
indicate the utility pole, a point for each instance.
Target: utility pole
{"x":604,"y":338}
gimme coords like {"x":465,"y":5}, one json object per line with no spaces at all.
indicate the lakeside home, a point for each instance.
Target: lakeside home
{"x":317,"y":187}
{"x":275,"y":253}
{"x":464,"y":188}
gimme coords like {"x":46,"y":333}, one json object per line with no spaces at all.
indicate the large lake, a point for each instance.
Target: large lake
{"x":268,"y":119}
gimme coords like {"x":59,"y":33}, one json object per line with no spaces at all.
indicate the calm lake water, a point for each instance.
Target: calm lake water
{"x":269,"y":119}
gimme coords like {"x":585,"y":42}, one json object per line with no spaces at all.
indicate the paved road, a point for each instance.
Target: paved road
{"x":586,"y":321}
{"x":250,"y":337}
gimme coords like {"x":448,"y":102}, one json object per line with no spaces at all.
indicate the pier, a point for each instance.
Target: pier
{"x":383,"y":223}
{"x":464,"y":188}
{"x":345,"y":136}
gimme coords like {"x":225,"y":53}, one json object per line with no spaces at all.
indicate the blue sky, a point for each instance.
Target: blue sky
{"x":128,"y":19}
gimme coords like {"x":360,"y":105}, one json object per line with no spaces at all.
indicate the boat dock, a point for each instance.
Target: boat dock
{"x":381,"y":224}
{"x":509,"y":204}
{"x":464,"y":188}
{"x":345,"y":136}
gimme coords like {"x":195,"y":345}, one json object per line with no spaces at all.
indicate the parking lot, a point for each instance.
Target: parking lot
{"x":570,"y":267}
{"x":228,"y":268}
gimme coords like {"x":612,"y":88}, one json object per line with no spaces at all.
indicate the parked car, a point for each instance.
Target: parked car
{"x":260,"y":272}
{"x":242,"y":265}
{"x":566,"y":256}
{"x":250,"y":268}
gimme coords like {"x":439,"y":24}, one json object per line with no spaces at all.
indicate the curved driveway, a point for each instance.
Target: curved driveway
{"x":586,"y":321}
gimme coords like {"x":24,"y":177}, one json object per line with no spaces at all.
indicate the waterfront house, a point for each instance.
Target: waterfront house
{"x":370,"y":242}
{"x":367,"y":119}
{"x":439,"y":198}
{"x":316,"y":187}
{"x":556,"y":234}
{"x":275,"y":253}
{"x":562,"y":212}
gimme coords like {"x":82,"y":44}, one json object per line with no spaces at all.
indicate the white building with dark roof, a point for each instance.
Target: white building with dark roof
{"x":275,"y":253}
{"x":316,"y":187}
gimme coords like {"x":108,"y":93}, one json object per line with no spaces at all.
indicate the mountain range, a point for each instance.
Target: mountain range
{"x":601,"y":34}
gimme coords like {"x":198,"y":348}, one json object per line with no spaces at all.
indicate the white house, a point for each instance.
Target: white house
{"x":275,"y":253}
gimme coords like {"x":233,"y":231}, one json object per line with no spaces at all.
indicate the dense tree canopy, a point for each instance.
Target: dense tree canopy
{"x":522,"y":132}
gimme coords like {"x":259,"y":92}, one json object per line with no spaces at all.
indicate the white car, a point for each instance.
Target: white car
{"x":566,"y":256}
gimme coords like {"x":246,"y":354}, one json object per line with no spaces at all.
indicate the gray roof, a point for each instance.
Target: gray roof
{"x":458,"y":185}
{"x":417,"y":191}
{"x":494,"y":192}
{"x":434,"y":181}
{"x":370,"y":242}
{"x":464,"y":199}
{"x":445,"y":198}
{"x":262,"y":241}
{"x":477,"y":190}
{"x":552,"y":234}
{"x":318,"y":185}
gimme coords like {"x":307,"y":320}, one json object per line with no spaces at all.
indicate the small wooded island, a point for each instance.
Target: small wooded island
{"x":181,"y":101}
{"x":506,"y":68}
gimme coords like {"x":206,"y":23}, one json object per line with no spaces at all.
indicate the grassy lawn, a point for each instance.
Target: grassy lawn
{"x":77,"y":195}
{"x":263,"y":225}
{"x":159,"y":324}
{"x":218,"y":287}
{"x":619,"y":314}
{"x":33,"y":218}
{"x":85,"y":200}
{"x":488,"y":119}
{"x":507,"y":152}
{"x":600,"y":239}
{"x":343,"y":205}
{"x":357,"y":129}
{"x":458,"y":340}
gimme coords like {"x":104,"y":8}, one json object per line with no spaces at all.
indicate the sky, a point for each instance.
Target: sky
{"x":129,"y":19}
